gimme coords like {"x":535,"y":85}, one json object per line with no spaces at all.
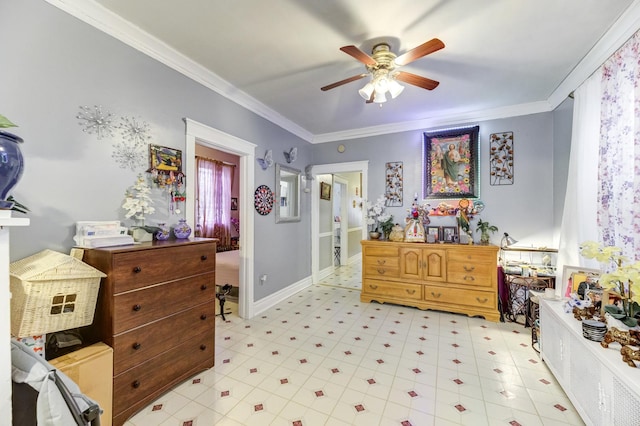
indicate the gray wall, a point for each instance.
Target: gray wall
{"x":562,"y":126}
{"x":54,"y":63}
{"x":525,"y":209}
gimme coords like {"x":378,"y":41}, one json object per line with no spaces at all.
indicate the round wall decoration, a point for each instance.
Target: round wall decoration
{"x":263,"y":200}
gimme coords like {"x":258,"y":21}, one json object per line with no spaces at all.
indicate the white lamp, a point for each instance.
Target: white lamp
{"x":366,"y":91}
{"x":395,"y":88}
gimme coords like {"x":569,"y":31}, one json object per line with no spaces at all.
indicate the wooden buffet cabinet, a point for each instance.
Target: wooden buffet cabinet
{"x":447,"y":277}
{"x":156,"y":309}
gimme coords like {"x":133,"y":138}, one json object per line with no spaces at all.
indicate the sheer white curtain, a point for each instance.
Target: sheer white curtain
{"x":619,"y":167}
{"x":214,"y":199}
{"x":580,"y":205}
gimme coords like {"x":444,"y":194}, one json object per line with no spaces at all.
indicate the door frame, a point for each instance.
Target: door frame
{"x":321,"y":169}
{"x":344,"y":231}
{"x":201,"y":134}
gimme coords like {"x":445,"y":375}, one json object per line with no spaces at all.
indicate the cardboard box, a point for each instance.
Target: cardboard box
{"x":91,"y":368}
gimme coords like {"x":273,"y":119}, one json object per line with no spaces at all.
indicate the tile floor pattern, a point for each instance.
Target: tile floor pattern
{"x":321,"y":357}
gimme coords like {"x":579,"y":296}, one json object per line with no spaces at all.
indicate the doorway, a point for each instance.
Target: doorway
{"x":200,"y":134}
{"x":335,"y":168}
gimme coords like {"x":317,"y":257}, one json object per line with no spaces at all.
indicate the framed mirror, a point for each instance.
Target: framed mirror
{"x":287,"y":194}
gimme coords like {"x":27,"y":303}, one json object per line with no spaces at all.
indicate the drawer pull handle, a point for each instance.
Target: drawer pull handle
{"x":469,"y":277}
{"x":374,"y":287}
{"x":137,"y":307}
{"x":203,"y":347}
{"x":203,"y":317}
{"x":485,"y":300}
{"x":381,"y":271}
{"x":203,"y":257}
{"x":203,"y":287}
{"x":466,"y":268}
{"x":411,"y":291}
{"x":136,"y":346}
{"x":137,"y":269}
{"x":135,"y":384}
{"x":382,"y":261}
{"x":436,"y":295}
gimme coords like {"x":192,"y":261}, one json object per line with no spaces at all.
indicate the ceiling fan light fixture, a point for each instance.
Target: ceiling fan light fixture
{"x":366,"y":91}
{"x":379,"y":97}
{"x":395,"y":88}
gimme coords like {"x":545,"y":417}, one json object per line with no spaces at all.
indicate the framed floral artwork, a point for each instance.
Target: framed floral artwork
{"x":450,"y":159}
{"x":501,"y":158}
{"x":393,"y":184}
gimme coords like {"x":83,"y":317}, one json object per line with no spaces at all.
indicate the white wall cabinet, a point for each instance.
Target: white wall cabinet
{"x":604,"y":390}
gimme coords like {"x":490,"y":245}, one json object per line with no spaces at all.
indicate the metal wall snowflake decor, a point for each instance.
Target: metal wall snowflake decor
{"x":129,"y":155}
{"x":134,"y":131}
{"x":94,"y":120}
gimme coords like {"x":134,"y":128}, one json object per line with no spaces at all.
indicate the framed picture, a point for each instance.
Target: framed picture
{"x":325,"y":191}
{"x":573,"y":276}
{"x":451,"y":164}
{"x":501,"y":158}
{"x":433,"y":233}
{"x":164,"y":159}
{"x":234,"y":203}
{"x":450,"y":234}
{"x":393,"y":184}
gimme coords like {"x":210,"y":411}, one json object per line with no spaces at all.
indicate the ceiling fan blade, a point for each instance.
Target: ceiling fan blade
{"x":359,"y":55}
{"x":424,"y":49}
{"x":345,"y":81}
{"x":417,"y":80}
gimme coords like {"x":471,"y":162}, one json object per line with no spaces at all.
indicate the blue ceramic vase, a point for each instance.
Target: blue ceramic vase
{"x":182,"y":229}
{"x":11,"y":166}
{"x":164,"y":233}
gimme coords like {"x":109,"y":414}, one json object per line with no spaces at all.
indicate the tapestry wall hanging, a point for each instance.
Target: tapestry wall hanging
{"x":501,"y":158}
{"x":451,"y":163}
{"x":393,"y":184}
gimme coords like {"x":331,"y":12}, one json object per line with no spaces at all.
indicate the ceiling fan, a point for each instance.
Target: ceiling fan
{"x":382,"y":67}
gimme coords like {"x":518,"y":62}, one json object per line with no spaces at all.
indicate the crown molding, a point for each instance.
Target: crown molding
{"x":624,"y":27}
{"x":110,"y":23}
{"x":456,"y":119}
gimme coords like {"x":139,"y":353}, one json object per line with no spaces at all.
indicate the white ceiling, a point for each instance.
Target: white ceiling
{"x":502,"y":57}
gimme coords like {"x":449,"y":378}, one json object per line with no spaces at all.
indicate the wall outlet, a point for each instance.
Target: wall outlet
{"x":263,"y":279}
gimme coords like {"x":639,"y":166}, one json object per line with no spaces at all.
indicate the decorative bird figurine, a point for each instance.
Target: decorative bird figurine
{"x":267,"y":161}
{"x":291,"y":155}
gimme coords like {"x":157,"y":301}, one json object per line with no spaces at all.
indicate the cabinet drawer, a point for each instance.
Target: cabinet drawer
{"x":452,"y":296}
{"x":474,"y":274}
{"x":388,"y":269}
{"x":136,"y":308}
{"x":136,"y":346}
{"x":472,"y":256}
{"x":392,"y":289}
{"x":381,"y":251}
{"x":137,"y":269}
{"x":132,"y":388}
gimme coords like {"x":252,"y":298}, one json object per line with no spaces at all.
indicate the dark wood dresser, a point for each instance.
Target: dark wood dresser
{"x":156,"y":309}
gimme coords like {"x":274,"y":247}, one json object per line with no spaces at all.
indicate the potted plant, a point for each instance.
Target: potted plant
{"x":485,"y":228}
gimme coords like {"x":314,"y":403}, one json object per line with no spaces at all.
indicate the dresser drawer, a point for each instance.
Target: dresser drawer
{"x":453,"y":296}
{"x":388,"y":268}
{"x":381,"y":251}
{"x":136,"y":308}
{"x":137,"y":269}
{"x":132,"y":389}
{"x":473,"y":274}
{"x":137,"y":346}
{"x":391,"y":289}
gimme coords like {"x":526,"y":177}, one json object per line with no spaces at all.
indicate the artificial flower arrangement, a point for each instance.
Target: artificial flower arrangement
{"x":621,"y":277}
{"x":137,"y":201}
{"x":377,"y":218}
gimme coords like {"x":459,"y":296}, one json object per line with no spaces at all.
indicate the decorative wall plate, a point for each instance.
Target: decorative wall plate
{"x":263,"y":200}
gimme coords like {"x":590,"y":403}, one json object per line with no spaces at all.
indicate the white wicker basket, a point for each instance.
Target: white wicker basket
{"x":50,"y":292}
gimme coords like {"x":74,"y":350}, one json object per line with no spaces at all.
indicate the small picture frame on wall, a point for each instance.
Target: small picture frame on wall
{"x":450,"y":234}
{"x":325,"y":191}
{"x":234,"y":203}
{"x":164,"y":159}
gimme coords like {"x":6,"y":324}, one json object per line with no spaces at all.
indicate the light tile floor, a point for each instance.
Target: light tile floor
{"x":321,"y":357}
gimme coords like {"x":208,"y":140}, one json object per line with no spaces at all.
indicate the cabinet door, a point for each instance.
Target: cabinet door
{"x":435,"y":266}
{"x":411,"y":263}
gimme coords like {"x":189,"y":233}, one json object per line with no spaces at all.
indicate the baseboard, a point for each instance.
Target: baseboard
{"x":280,"y":295}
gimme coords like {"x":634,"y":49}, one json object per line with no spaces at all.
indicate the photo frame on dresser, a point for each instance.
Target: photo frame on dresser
{"x":450,"y":234}
{"x":573,"y":276}
{"x":433,"y":234}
